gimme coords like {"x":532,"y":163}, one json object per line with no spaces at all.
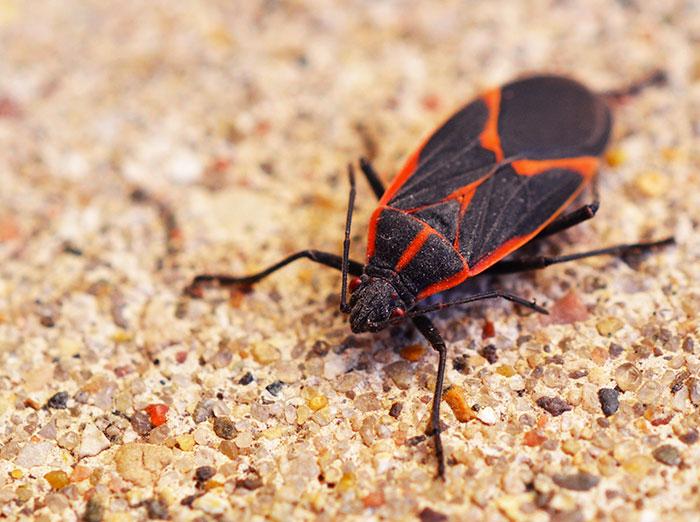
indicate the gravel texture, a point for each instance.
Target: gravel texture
{"x":145,"y":142}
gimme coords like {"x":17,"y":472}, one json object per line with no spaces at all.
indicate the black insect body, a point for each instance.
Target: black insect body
{"x":497,"y":174}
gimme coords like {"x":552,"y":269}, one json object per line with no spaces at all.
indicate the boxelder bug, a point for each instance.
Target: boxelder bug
{"x":495,"y":175}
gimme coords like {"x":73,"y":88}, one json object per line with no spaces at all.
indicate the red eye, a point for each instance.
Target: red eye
{"x":354,"y":283}
{"x":398,"y":313}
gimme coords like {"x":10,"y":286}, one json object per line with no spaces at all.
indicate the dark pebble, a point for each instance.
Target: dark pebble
{"x":429,"y":515}
{"x":577,"y":482}
{"x":156,"y":509}
{"x":578,"y":374}
{"x":246,"y":379}
{"x":553,"y":405}
{"x":93,"y":511}
{"x":688,"y":345}
{"x":609,"y":401}
{"x":488,"y":352}
{"x":667,"y":454}
{"x":275,"y":387}
{"x":395,"y":410}
{"x":689,"y":437}
{"x":204,"y":473}
{"x":250,"y":483}
{"x":615,"y":350}
{"x":59,"y":401}
{"x":141,"y":423}
{"x":414,"y":441}
{"x":461,"y":364}
{"x":224,"y":428}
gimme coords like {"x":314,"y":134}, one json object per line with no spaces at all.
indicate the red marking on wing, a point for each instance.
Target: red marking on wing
{"x":445,"y":284}
{"x":413,"y":248}
{"x":489,"y":137}
{"x":372,"y":232}
{"x":408,"y":169}
{"x":586,"y":166}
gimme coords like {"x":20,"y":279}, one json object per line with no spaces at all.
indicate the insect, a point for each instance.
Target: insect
{"x":497,"y":174}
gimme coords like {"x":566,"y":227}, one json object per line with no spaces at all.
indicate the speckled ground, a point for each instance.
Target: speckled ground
{"x":143,"y":143}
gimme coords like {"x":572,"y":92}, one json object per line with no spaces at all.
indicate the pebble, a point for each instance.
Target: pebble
{"x":429,"y":515}
{"x":609,"y":326}
{"x":246,"y":379}
{"x":57,"y":479}
{"x":141,"y":463}
{"x":59,"y":401}
{"x":395,"y":410}
{"x":628,"y":377}
{"x":487,"y":415}
{"x":488,"y":352}
{"x":211,"y":504}
{"x":93,"y":511}
{"x":413,"y":352}
{"x":401,"y":373}
{"x":581,"y":481}
{"x":157,"y":413}
{"x":185,"y":442}
{"x":141,"y":423}
{"x":156,"y":509}
{"x":667,"y":454}
{"x":203,"y":410}
{"x":317,"y":402}
{"x":229,"y":449}
{"x":609,"y":400}
{"x":264,"y":353}
{"x":204,"y":473}
{"x":244,"y":440}
{"x":92,"y":442}
{"x":638,"y":465}
{"x":689,"y":437}
{"x":455,"y":398}
{"x":553,"y":405}
{"x":224,"y":428}
{"x":275,"y":388}
{"x":506,"y":370}
{"x":35,"y":454}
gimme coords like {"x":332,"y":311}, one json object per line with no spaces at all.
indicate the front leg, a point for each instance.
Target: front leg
{"x":427,"y":328}
{"x":323,"y":258}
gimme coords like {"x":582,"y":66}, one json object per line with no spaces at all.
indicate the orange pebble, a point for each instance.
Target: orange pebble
{"x":532,"y":438}
{"x":456,"y":400}
{"x":413,"y":352}
{"x":157,"y":412}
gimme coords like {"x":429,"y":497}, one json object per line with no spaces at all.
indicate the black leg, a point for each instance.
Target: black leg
{"x":323,"y":258}
{"x":425,"y":326}
{"x":372,"y":177}
{"x":616,"y":96}
{"x":480,"y":297}
{"x":535,"y":263}
{"x":569,"y":220}
{"x":344,"y":307}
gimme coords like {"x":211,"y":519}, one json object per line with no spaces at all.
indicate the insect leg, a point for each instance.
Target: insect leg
{"x":480,"y":297}
{"x":372,"y":177}
{"x":617,"y":96}
{"x":323,"y":258}
{"x":425,"y":326}
{"x":569,"y":220}
{"x":535,"y":263}
{"x":344,"y":307}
